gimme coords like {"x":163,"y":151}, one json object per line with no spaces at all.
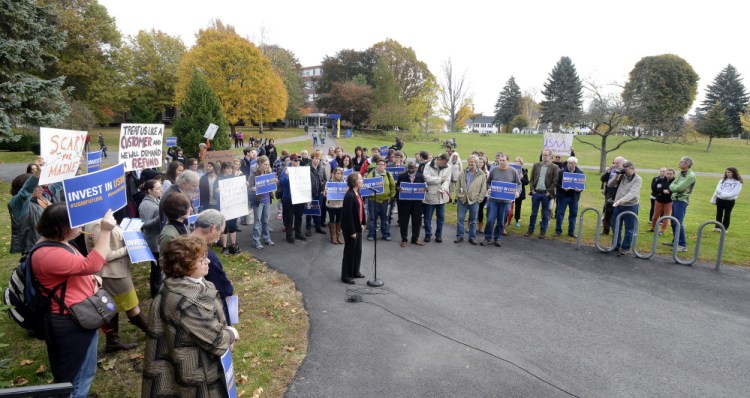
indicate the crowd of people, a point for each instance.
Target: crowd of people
{"x":188,"y":282}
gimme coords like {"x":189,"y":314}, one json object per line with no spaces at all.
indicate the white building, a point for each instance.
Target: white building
{"x":481,"y":124}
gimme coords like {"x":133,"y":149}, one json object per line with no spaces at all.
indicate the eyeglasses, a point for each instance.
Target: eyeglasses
{"x":204,"y":260}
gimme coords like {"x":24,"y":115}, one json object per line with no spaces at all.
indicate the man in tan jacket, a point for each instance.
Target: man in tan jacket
{"x":471,"y":187}
{"x":542,"y":186}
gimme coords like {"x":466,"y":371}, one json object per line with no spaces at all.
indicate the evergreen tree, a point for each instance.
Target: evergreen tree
{"x":508,"y":104}
{"x":563,"y":95}
{"x":200,"y":108}
{"x":714,"y":124}
{"x":142,"y":112}
{"x":29,"y":41}
{"x":727,"y":89}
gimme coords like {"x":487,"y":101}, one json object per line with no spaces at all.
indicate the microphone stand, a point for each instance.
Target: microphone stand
{"x":375,"y":282}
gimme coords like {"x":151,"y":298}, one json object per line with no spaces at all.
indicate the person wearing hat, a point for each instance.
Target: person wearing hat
{"x":292,"y":214}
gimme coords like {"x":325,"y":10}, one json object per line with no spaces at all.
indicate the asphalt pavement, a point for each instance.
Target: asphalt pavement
{"x":534,"y":318}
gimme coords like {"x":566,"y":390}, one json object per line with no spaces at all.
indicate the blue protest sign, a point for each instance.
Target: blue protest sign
{"x":370,"y":185}
{"x":336,"y":190}
{"x":233,"y":307}
{"x":93,"y":161}
{"x":265,"y":183}
{"x":503,"y":190}
{"x":89,"y":196}
{"x":348,"y":133}
{"x":412,"y":191}
{"x":396,"y":170}
{"x":516,"y":166}
{"x":138,"y":249}
{"x":226,"y":363}
{"x":574,"y":181}
{"x":384,"y":150}
{"x":171,"y":141}
{"x":192,"y":219}
{"x":347,"y":172}
{"x":253,"y":164}
{"x":312,"y":208}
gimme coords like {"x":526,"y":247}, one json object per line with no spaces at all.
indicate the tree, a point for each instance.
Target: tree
{"x":141,"y":112}
{"x":31,"y":39}
{"x":199,"y":107}
{"x":453,"y":93}
{"x":80,"y":117}
{"x":414,"y":78}
{"x":508,"y":104}
{"x":389,"y":108}
{"x":660,"y":90}
{"x":153,"y":56}
{"x":714,"y":124}
{"x":243,"y":79}
{"x":519,"y":122}
{"x":342,"y":68}
{"x":745,"y":121}
{"x":465,"y":113}
{"x":531,"y":109}
{"x":91,"y":60}
{"x":286,"y":64}
{"x":606,"y":115}
{"x":727,"y":89}
{"x":563,"y":95}
{"x":347,"y":96}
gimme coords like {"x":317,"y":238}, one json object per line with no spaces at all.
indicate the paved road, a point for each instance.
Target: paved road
{"x":531,"y":319}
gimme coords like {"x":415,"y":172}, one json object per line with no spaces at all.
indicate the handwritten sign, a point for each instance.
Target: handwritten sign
{"x":558,"y":143}
{"x":412,"y":191}
{"x":336,"y":190}
{"x":138,"y":249}
{"x":93,"y":161}
{"x":574,"y":181}
{"x":62,"y":151}
{"x":171,"y":141}
{"x":265,"y":183}
{"x":89,"y":196}
{"x":503,"y":190}
{"x":140,"y":145}
{"x":371,"y":184}
{"x":233,"y":194}
{"x":211,"y":131}
{"x":312,"y":208}
{"x":218,"y":157}
{"x":300,"y":185}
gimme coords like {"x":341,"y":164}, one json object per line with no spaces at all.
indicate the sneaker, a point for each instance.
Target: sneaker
{"x":681,"y":249}
{"x":387,"y":239}
{"x":668,"y":243}
{"x":528,"y":234}
{"x":717,"y":229}
{"x":498,"y":244}
{"x":486,"y":242}
{"x":427,"y":239}
{"x":459,"y":239}
{"x":278,"y":216}
{"x":558,"y":233}
{"x":370,"y":238}
{"x":518,"y":224}
{"x":269,"y":243}
{"x":259,"y":246}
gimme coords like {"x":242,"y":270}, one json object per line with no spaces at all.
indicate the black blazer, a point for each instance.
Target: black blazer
{"x":350,"y":218}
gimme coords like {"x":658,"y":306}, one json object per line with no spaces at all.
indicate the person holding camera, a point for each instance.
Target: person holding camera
{"x":626,"y":198}
{"x":609,"y":191}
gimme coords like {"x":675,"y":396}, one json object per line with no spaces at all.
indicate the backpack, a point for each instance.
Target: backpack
{"x":30,"y":307}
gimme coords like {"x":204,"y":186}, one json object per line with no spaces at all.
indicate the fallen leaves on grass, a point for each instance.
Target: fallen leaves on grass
{"x":41,"y":369}
{"x":107,"y":364}
{"x":290,"y":348}
{"x":25,"y":362}
{"x":257,"y":392}
{"x":20,"y":381}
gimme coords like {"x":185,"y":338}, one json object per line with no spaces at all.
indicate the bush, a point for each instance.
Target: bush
{"x":26,"y":143}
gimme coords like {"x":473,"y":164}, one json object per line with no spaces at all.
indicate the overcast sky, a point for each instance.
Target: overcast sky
{"x":490,"y":40}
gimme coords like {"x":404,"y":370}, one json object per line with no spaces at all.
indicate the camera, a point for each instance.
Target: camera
{"x":622,"y":171}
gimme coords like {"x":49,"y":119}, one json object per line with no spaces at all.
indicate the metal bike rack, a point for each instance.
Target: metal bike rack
{"x":698,"y":245}
{"x":655,"y":241}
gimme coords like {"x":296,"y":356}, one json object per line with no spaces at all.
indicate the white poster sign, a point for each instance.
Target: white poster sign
{"x":299,"y":183}
{"x":62,"y":151}
{"x":140,"y":145}
{"x":558,"y":143}
{"x":211,"y":131}
{"x":233,"y":193}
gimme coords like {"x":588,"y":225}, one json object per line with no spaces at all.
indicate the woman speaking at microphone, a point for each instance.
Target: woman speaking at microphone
{"x":352,"y":224}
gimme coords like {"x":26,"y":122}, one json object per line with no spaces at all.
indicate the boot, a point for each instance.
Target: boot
{"x":113,"y":342}
{"x":339,"y":236}
{"x":332,"y":233}
{"x":480,"y":227}
{"x":289,"y":236}
{"x":140,"y":322}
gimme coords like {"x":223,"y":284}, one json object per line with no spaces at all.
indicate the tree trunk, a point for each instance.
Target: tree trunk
{"x":710,"y":138}
{"x":603,"y":155}
{"x":233,"y":128}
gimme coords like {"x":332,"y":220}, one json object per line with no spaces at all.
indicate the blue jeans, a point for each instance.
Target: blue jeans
{"x":536,"y":199}
{"x":679,"y":208}
{"x":566,"y":202}
{"x":497,"y":212}
{"x":473,"y":210}
{"x":628,"y":221}
{"x":85,"y":376}
{"x":428,"y":211}
{"x":260,"y":222}
{"x":379,"y":211}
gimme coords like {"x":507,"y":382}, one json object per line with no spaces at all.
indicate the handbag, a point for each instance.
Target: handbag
{"x":94,"y":311}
